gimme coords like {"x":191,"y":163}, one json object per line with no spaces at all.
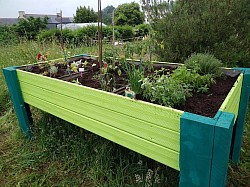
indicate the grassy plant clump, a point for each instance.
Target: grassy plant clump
{"x":205,"y":64}
{"x":135,"y":76}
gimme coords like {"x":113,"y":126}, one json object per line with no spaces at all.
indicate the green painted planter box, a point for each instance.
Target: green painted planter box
{"x":199,"y":147}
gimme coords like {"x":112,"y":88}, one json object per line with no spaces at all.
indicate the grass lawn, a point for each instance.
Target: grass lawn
{"x":61,"y":154}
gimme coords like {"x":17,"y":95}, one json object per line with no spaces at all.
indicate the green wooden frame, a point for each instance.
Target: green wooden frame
{"x":199,"y":147}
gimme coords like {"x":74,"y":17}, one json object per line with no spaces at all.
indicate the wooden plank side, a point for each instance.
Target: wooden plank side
{"x":231,"y":103}
{"x":142,"y":146}
{"x":151,"y":132}
{"x":155,"y":114}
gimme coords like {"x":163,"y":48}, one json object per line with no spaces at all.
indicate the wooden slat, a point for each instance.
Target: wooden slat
{"x":151,"y":132}
{"x":231,"y":103}
{"x":142,"y":146}
{"x":151,"y":113}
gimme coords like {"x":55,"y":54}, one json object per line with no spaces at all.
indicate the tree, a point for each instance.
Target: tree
{"x":85,"y":15}
{"x":30,"y":27}
{"x":7,"y":35}
{"x":156,"y":9}
{"x":128,"y":14}
{"x":220,"y":27}
{"x":107,"y":15}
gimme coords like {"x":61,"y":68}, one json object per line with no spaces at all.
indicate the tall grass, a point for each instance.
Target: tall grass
{"x":62,"y":154}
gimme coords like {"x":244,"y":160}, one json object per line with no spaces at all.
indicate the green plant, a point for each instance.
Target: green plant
{"x":173,"y":89}
{"x":205,"y":64}
{"x":53,"y":70}
{"x":220,"y":27}
{"x":193,"y":79}
{"x":165,"y":91}
{"x":135,"y":76}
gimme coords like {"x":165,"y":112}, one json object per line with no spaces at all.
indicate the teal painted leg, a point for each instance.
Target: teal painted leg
{"x":17,"y":99}
{"x":196,"y":150}
{"x":221,"y":150}
{"x":239,"y":128}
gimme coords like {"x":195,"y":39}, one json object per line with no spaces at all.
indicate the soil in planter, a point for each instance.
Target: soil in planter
{"x":208,"y":104}
{"x":62,"y":66}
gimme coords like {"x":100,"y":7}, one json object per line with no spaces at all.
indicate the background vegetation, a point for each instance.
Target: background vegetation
{"x":220,"y":27}
{"x":61,"y":154}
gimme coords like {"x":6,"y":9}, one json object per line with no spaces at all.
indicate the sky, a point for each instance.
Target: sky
{"x":10,"y":8}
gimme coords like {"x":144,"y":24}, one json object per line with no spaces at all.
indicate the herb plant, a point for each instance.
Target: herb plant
{"x":205,"y":64}
{"x":165,"y":91}
{"x":174,"y":89}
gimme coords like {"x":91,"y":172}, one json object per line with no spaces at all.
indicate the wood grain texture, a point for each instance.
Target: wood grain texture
{"x":221,"y":149}
{"x":17,"y":100}
{"x":240,"y":123}
{"x":149,"y":129}
{"x":133,"y":142}
{"x":231,"y":103}
{"x":196,"y":149}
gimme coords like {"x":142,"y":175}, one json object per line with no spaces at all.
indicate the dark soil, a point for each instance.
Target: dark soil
{"x":209,"y":103}
{"x":206,"y":104}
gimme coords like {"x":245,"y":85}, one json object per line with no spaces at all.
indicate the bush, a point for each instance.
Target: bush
{"x":217,"y":27}
{"x":7,"y":35}
{"x":48,"y":35}
{"x":124,"y":32}
{"x":205,"y":64}
{"x":141,"y":30}
{"x":86,"y":35}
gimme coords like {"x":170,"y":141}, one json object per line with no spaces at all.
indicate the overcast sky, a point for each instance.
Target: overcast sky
{"x":10,"y":8}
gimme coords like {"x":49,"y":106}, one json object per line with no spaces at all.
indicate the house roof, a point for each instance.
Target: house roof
{"x":8,"y":21}
{"x":53,"y":19}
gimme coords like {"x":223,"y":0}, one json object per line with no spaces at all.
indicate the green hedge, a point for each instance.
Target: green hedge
{"x":87,"y":34}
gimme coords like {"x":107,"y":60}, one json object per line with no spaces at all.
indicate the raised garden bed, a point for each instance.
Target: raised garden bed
{"x":198,"y":146}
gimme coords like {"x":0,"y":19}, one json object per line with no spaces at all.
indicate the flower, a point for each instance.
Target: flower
{"x":39,"y":56}
{"x":105,"y":65}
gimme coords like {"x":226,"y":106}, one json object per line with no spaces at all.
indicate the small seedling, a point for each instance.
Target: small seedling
{"x":53,"y":70}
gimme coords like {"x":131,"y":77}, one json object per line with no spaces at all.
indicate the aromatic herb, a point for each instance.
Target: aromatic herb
{"x":205,"y":64}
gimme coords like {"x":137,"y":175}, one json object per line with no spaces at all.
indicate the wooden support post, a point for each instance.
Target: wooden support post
{"x":205,"y":149}
{"x":196,"y":149}
{"x":17,"y":99}
{"x":240,"y":122}
{"x":221,"y":149}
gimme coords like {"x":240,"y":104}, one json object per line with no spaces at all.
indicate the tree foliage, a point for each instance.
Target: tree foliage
{"x":128,"y":14}
{"x":7,"y":35}
{"x":107,"y":14}
{"x":220,"y":27}
{"x":85,"y":15}
{"x":30,"y":27}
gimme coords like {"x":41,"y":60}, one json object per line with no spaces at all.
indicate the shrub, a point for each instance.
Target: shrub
{"x":141,"y":30}
{"x":205,"y":64}
{"x":7,"y":35}
{"x":124,"y":32}
{"x":219,"y":27}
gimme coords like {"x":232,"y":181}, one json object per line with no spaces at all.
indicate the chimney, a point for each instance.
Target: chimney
{"x":21,"y":14}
